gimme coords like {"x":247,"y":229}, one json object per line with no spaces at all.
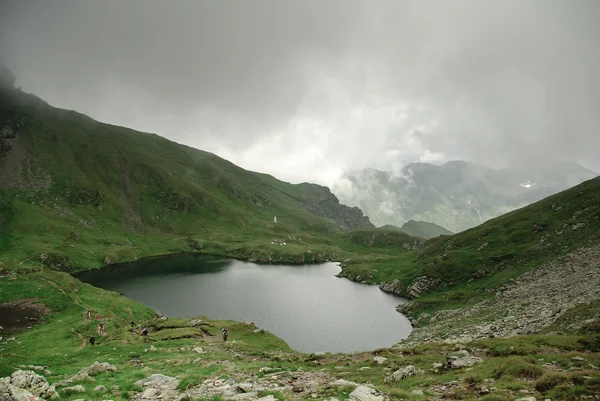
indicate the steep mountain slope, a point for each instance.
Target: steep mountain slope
{"x":80,"y":192}
{"x":457,"y":195}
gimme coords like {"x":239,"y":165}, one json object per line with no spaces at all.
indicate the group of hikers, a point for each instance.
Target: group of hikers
{"x":102,"y":327}
{"x":144,"y":332}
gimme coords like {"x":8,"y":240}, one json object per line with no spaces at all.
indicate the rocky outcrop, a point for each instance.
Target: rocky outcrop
{"x":393,"y":287}
{"x":420,"y":285}
{"x":26,"y":385}
{"x":158,"y":386}
{"x":323,"y":203}
{"x":85,"y":374}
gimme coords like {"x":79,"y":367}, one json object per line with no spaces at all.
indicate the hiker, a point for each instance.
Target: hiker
{"x":225,"y":334}
{"x":101,"y":328}
{"x":145,"y":333}
{"x":92,"y":340}
{"x":88,"y":314}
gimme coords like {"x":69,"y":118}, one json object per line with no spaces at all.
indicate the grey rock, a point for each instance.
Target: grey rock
{"x":76,"y":389}
{"x":400,"y":374}
{"x":33,"y":383}
{"x":380,"y":360}
{"x":393,"y":287}
{"x":417,"y":392}
{"x":199,"y":350}
{"x":100,"y":389}
{"x":420,"y":285}
{"x":85,"y":374}
{"x":364,"y":393}
{"x":465,"y":362}
{"x":343,"y":383}
{"x":9,"y":392}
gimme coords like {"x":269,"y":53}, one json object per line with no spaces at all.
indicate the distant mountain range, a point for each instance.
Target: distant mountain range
{"x":457,"y":195}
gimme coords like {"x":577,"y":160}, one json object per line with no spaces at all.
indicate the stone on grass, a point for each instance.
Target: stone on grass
{"x":76,"y":389}
{"x":364,"y":393}
{"x":400,"y":374}
{"x":33,"y":383}
{"x":465,"y":362}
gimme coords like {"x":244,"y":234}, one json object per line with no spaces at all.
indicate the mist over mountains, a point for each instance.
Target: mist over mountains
{"x":456,"y":195}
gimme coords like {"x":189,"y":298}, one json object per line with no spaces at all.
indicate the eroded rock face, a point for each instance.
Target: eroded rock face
{"x":393,"y":287}
{"x":421,"y":285}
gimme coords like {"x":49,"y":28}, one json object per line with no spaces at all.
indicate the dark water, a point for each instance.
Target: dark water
{"x":304,"y":305}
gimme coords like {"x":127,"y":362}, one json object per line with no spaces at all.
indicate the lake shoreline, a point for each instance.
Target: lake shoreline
{"x":307,"y":306}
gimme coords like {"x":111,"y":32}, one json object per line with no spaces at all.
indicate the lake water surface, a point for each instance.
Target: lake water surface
{"x":307,"y":306}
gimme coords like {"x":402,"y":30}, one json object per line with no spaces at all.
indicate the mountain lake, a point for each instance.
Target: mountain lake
{"x":305,"y":305}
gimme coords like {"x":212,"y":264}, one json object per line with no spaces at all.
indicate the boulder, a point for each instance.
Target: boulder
{"x":13,"y":393}
{"x":364,"y":393}
{"x":380,"y":360}
{"x":100,"y":389}
{"x":32,"y":383}
{"x":400,"y":374}
{"x":464,"y":362}
{"x":199,"y":350}
{"x":343,"y":383}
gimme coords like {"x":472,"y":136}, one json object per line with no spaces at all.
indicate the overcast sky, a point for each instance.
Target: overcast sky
{"x":307,"y":89}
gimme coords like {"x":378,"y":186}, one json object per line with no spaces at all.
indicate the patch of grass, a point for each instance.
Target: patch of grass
{"x":549,"y":381}
{"x":518,"y":368}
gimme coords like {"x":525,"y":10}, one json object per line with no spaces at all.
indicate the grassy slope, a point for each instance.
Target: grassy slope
{"x":422,"y":229}
{"x":60,"y":343}
{"x":150,"y":207}
{"x":513,"y":246}
{"x":128,"y":194}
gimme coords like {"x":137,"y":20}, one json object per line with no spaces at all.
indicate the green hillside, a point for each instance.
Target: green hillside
{"x":79,"y":193}
{"x":422,"y":229}
{"x":474,"y":262}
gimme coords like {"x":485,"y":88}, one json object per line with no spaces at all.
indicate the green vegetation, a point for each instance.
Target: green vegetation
{"x":422,"y":229}
{"x":78,"y":194}
{"x":546,"y":366}
{"x":84,"y":194}
{"x":472,"y":264}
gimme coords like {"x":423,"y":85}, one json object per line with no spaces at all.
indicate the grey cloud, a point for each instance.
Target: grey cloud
{"x":307,"y":89}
